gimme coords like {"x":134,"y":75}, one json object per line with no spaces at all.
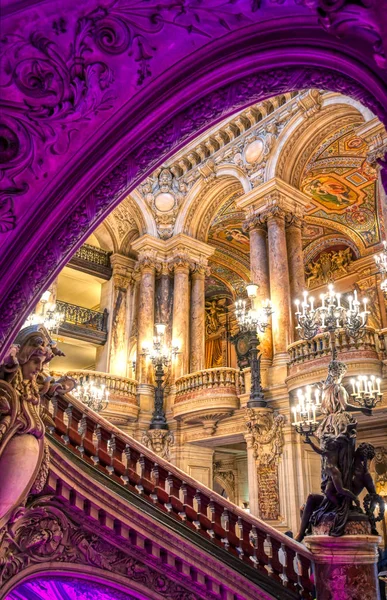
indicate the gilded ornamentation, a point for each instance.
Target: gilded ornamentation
{"x":159,"y":441}
{"x":267,"y":440}
{"x":214,"y":308}
{"x":328,"y":267}
{"x":381,"y":470}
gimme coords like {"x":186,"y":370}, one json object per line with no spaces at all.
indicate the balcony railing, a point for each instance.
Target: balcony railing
{"x":83,"y":323}
{"x":92,"y":260}
{"x":223,"y":377}
{"x":129,"y":464}
{"x":119,"y":387}
{"x":318,"y":348}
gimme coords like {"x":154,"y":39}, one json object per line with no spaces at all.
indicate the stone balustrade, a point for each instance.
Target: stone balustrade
{"x":123,"y":406}
{"x":308,"y":350}
{"x":206,"y":397}
{"x":99,"y":444}
{"x":207,"y":379}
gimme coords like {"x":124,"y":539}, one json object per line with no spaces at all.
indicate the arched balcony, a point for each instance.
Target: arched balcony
{"x":207,"y":396}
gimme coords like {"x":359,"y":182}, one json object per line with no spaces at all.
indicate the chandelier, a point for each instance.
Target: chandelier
{"x":366,"y":391}
{"x":331,"y":316}
{"x":91,"y":394}
{"x":49,"y":317}
{"x":381,"y":262}
{"x":160,"y":354}
{"x":251,"y":319}
{"x":304,"y":413}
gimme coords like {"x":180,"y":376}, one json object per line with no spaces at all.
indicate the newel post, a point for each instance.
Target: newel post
{"x":345,"y":567}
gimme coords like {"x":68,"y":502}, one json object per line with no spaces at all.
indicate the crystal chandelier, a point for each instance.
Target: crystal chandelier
{"x":49,"y":317}
{"x":91,"y":394}
{"x":366,"y":391}
{"x":381,"y":262}
{"x":251,"y":319}
{"x":331,"y":316}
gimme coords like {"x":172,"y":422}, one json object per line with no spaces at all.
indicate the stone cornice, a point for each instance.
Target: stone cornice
{"x":274,"y":192}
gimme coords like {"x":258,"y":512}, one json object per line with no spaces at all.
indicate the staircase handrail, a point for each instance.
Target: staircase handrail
{"x":100,"y":443}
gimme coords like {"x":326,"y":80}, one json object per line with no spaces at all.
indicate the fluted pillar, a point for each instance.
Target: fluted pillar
{"x":198,"y":331}
{"x":259,"y":272}
{"x":120,"y":318}
{"x":145,"y":316}
{"x":180,"y":326}
{"x":295,"y":262}
{"x":279,"y":283}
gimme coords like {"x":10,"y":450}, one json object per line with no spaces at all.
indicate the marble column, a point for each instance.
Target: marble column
{"x":259,"y":272}
{"x":279,"y":283}
{"x":345,"y":567}
{"x":119,"y":324}
{"x":180,"y":326}
{"x":198,"y":331}
{"x":145,"y":316}
{"x":252,"y":476}
{"x":295,"y":262}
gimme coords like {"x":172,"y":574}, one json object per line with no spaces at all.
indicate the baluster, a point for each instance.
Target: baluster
{"x":82,"y":432}
{"x":131,"y":458}
{"x":304,"y":571}
{"x":98,"y":438}
{"x":260,"y":558}
{"x":275,"y":566}
{"x":201,"y":503}
{"x":173,"y":485}
{"x":291,"y":578}
{"x":111,"y":447}
{"x":68,"y":412}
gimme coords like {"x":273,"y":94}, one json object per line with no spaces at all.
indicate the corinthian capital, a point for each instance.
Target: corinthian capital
{"x":148,"y":260}
{"x":254,"y":221}
{"x":293,"y":220}
{"x":181,"y":260}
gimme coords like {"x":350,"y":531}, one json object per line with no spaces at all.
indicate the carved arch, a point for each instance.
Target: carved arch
{"x":247,"y":76}
{"x":130,"y":590}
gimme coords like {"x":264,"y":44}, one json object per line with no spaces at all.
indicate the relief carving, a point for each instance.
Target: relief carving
{"x":43,"y":532}
{"x":159,"y":441}
{"x":267,"y":440}
{"x":24,"y":390}
{"x":328,"y":267}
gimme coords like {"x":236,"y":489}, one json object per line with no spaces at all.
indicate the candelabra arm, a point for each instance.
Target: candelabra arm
{"x":316,"y":448}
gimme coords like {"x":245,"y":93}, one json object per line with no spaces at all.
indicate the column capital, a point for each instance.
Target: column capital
{"x":255,"y":222}
{"x":292,"y":220}
{"x":273,"y":193}
{"x":123,"y":268}
{"x":148,"y":262}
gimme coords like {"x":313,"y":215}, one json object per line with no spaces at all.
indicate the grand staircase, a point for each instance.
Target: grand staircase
{"x":115,"y":511}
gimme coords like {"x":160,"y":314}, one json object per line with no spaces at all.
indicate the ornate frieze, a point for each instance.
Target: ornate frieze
{"x":46,"y":533}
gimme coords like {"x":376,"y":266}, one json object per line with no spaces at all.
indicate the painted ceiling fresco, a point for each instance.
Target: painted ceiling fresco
{"x":230,"y":263}
{"x":342,"y":185}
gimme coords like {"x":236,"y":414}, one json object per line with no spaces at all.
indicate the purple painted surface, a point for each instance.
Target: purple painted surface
{"x":96,"y":96}
{"x":69,"y":588}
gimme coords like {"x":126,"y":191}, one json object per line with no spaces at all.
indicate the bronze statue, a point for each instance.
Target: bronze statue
{"x":344,"y":470}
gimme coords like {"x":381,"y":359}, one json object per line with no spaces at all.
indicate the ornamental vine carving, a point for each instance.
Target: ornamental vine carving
{"x":44,"y":532}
